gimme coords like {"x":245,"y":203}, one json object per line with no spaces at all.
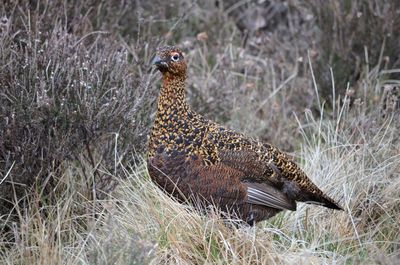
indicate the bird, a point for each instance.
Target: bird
{"x":195,"y":159}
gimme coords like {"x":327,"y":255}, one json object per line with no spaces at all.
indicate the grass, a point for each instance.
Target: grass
{"x":77,"y":101}
{"x":140,"y":224}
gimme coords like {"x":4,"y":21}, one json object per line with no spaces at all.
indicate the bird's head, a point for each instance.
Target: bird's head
{"x":169,"y":59}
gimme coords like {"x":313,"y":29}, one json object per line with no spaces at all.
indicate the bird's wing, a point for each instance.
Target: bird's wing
{"x":260,"y":190}
{"x":266,"y":195}
{"x":278,"y":172}
{"x":253,"y":169}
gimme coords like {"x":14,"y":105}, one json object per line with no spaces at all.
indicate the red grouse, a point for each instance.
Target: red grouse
{"x":191,"y":157}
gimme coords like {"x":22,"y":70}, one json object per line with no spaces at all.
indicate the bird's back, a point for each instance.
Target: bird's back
{"x":264,"y":163}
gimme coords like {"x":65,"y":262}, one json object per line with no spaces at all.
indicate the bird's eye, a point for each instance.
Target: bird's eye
{"x":175,"y":57}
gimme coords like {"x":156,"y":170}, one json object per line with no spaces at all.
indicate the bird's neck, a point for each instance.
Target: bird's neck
{"x":172,"y":94}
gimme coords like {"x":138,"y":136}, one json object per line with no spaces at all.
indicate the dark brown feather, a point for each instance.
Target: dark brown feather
{"x":218,"y":185}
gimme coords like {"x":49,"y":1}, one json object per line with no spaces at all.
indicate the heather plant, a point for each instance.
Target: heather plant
{"x":67,"y":95}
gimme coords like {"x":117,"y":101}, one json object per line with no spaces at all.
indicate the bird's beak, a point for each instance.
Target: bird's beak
{"x":156,"y":60}
{"x":161,"y":64}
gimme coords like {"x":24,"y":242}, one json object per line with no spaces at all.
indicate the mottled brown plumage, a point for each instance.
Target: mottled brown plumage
{"x":194,"y":158}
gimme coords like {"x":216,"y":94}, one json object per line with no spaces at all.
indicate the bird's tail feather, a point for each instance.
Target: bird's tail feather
{"x":323,"y":201}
